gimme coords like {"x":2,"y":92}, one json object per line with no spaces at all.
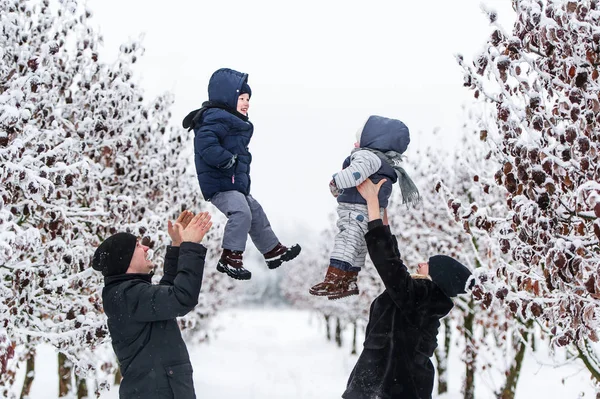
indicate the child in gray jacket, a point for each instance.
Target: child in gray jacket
{"x":377,"y":156}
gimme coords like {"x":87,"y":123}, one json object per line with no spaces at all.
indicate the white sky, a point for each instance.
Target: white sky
{"x":317,"y":70}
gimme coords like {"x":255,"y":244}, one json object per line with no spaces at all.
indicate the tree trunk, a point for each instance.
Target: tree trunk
{"x":118,"y":376}
{"x":29,"y":374}
{"x":587,"y":355}
{"x":508,"y":392}
{"x":327,"y":327}
{"x":64,"y":375}
{"x":470,"y":352}
{"x":441,"y":356}
{"x":338,"y":332}
{"x":82,"y":391}
{"x":470,"y":349}
{"x":354,"y":339}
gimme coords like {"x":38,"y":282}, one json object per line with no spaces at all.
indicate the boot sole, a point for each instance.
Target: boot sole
{"x":275,"y":263}
{"x":234,"y":276}
{"x":317,"y":293}
{"x":344,"y":295}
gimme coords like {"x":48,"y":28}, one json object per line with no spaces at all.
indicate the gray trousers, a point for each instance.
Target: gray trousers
{"x":350,"y":248}
{"x":244,"y":216}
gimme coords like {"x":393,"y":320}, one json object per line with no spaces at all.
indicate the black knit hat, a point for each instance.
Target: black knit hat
{"x":246,"y":89}
{"x":113,"y":256}
{"x":449,"y":274}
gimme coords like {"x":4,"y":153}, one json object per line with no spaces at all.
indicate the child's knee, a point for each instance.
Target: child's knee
{"x":241,"y":217}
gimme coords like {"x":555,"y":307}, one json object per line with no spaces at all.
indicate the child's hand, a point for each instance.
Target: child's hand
{"x":333,"y":188}
{"x":368,"y":190}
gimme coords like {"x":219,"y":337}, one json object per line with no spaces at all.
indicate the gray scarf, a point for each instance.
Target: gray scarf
{"x":410,"y":193}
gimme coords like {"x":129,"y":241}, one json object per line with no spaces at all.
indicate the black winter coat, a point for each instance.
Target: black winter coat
{"x":402,"y":331}
{"x":145,"y":336}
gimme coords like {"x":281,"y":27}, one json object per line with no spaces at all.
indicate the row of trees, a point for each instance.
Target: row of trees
{"x":519,"y":202}
{"x":83,"y":155}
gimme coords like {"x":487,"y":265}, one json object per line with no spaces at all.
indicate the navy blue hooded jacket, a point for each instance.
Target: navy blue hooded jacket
{"x":382,"y":134}
{"x":222,"y":136}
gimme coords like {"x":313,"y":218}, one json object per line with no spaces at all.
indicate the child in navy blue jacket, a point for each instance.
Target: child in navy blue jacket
{"x":222,"y":134}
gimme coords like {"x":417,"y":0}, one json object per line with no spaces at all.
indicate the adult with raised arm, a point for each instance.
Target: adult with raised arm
{"x":142,"y":323}
{"x":401,"y":334}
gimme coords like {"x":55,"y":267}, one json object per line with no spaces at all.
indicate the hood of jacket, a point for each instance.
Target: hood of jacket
{"x":225,"y":86}
{"x":385,"y":134}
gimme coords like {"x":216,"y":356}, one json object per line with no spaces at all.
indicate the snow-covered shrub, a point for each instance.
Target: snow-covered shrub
{"x":83,"y":155}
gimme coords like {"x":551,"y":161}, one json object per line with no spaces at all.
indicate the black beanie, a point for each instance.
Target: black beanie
{"x":113,"y":256}
{"x":449,"y":274}
{"x":246,"y":89}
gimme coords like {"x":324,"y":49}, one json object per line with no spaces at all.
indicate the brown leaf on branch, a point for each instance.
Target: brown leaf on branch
{"x":591,"y":57}
{"x":590,"y":285}
{"x":588,"y":315}
{"x":536,"y":309}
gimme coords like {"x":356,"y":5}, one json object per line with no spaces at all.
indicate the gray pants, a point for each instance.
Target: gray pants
{"x":349,"y":248}
{"x":244,"y":216}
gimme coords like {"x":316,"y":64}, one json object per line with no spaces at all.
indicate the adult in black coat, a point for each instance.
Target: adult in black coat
{"x":403,"y":321}
{"x":152,"y":355}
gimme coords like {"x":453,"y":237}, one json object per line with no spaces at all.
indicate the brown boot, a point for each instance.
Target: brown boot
{"x":337,"y":284}
{"x":231,"y":263}
{"x":280,"y":254}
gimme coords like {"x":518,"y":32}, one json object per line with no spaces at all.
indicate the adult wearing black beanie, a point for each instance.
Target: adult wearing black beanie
{"x":142,"y":323}
{"x":404,"y":320}
{"x":448,"y":274}
{"x":114,"y":254}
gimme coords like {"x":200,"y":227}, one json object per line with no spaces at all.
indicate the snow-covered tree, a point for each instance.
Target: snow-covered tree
{"x":538,"y":87}
{"x":83,"y":156}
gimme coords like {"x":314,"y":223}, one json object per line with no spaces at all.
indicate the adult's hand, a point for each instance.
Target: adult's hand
{"x":196,"y":229}
{"x":368,"y":190}
{"x":183,"y":220}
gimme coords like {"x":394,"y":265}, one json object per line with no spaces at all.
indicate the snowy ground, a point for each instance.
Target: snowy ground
{"x":283,"y":354}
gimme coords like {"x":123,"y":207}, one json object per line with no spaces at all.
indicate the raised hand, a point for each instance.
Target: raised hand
{"x":196,"y":229}
{"x":183,"y":220}
{"x":368,"y":190}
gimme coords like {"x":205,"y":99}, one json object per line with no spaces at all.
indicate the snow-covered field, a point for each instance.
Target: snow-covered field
{"x":283,"y":353}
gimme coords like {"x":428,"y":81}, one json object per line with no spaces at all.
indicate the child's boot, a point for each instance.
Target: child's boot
{"x":231,"y":264}
{"x":337,"y":284}
{"x":280,"y":254}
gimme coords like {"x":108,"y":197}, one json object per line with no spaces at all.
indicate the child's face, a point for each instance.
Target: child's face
{"x":243,"y":104}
